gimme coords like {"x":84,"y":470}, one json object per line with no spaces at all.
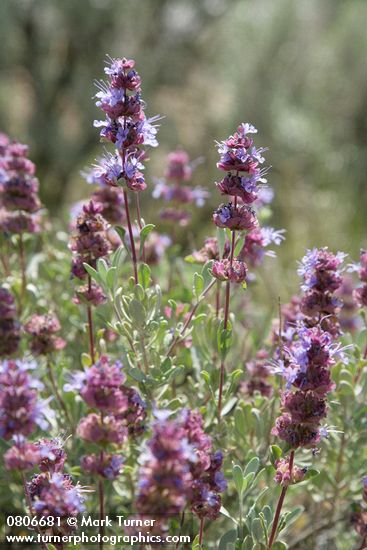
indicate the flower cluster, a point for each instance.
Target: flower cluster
{"x":207,"y":478}
{"x":239,"y":155}
{"x":19,"y":201}
{"x":111,"y":202}
{"x":9,"y":326}
{"x":43,"y":331}
{"x":88,"y":245}
{"x":257,"y":241}
{"x":22,"y":456}
{"x":173,"y":189}
{"x":285,"y":476}
{"x":234,"y":271}
{"x":121,"y":412}
{"x":235,"y":218}
{"x":57,"y":496}
{"x":349,"y":299}
{"x":180,"y":469}
{"x":125,"y":125}
{"x":258,"y":372}
{"x":48,"y":455}
{"x":21,"y":410}
{"x":321,"y":276}
{"x":241,"y":160}
{"x":51,"y":492}
{"x":306,"y":367}
{"x":164,"y":477}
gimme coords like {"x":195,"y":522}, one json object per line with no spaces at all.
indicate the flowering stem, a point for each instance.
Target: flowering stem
{"x":131,"y":237}
{"x":360,"y":367}
{"x":201,"y":531}
{"x":23,"y":271}
{"x":189,"y":319}
{"x":101,"y":496}
{"x":4,"y":258}
{"x":90,"y":324}
{"x":57,"y":393}
{"x":140,"y":223}
{"x":101,"y":508}
{"x":181,"y":527}
{"x":137,"y":200}
{"x":225,"y":325}
{"x":217,"y":300}
{"x":279,"y":506}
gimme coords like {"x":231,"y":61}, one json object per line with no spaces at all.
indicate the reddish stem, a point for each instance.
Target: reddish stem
{"x":140,"y":223}
{"x":217,"y":300}
{"x":101,"y":509}
{"x":279,"y":506}
{"x":201,"y":531}
{"x":131,"y":237}
{"x":22,"y":264}
{"x":101,"y":495}
{"x":127,"y":210}
{"x":90,"y":325}
{"x":181,"y":527}
{"x":225,"y":325}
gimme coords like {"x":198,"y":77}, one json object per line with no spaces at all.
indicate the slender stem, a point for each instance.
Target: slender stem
{"x":225,"y":325}
{"x":279,"y":506}
{"x":189,"y":319}
{"x":101,"y":497}
{"x":181,"y":527}
{"x":131,"y":237}
{"x":22,"y":264}
{"x":138,"y":211}
{"x":5,"y":263}
{"x":101,"y":510}
{"x":90,"y":325}
{"x":340,"y":460}
{"x":217,"y":300}
{"x":361,"y":367}
{"x":140,"y":222}
{"x":222,"y":364}
{"x":201,"y":531}
{"x":57,"y":394}
{"x":127,"y":210}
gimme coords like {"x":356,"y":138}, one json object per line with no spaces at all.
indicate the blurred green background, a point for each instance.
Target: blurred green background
{"x":294,"y":68}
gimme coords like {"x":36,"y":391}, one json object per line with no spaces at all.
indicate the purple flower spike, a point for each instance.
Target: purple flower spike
{"x":19,"y":199}
{"x":125,"y":125}
{"x":21,"y":411}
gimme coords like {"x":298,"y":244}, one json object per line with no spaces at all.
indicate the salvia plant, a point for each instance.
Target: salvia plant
{"x":141,"y":380}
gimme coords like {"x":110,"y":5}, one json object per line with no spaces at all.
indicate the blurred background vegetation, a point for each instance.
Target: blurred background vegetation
{"x":295,"y":69}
